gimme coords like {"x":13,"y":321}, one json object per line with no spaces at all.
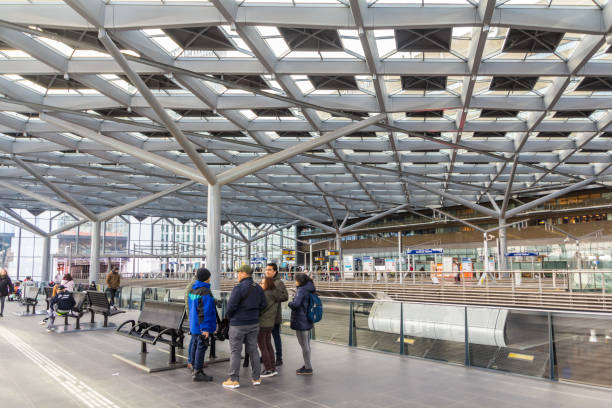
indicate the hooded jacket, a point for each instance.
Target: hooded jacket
{"x":246,"y":303}
{"x":299,"y":307}
{"x":202,"y":309}
{"x":6,"y":285}
{"x":283,"y":296}
{"x":64,"y":301}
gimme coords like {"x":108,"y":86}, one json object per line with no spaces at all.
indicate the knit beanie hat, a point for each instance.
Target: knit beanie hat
{"x":203,"y":274}
{"x":246,"y":269}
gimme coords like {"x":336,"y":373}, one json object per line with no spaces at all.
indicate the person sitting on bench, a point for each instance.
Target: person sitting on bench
{"x":60,"y":305}
{"x":202,"y":322}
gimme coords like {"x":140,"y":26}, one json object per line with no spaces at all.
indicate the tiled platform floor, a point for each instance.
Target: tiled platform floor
{"x":344,"y":377}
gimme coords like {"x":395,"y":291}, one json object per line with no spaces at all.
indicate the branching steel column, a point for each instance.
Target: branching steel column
{"x":548,"y":197}
{"x":372,"y":219}
{"x":213,"y":236}
{"x":90,"y":215}
{"x":42,"y":198}
{"x":46,"y":260}
{"x":187,"y":146}
{"x":503,"y":244}
{"x":94,"y":256}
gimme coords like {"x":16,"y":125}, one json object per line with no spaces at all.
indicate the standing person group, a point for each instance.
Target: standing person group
{"x":6,"y":288}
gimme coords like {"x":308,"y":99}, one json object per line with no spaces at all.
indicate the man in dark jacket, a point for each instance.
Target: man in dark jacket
{"x":202,"y":321}
{"x":279,"y":286}
{"x":246,"y":303}
{"x":6,"y":288}
{"x":60,"y":305}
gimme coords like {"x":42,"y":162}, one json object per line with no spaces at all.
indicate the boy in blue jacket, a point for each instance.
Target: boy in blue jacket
{"x":202,"y":321}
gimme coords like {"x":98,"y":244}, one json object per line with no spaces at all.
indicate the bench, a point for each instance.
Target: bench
{"x":98,"y":303}
{"x":30,"y":298}
{"x":48,"y":295}
{"x":158,"y":322}
{"x":78,"y":310}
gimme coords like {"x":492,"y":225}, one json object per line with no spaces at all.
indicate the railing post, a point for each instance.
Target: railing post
{"x":402,"y":342}
{"x":351,"y":323}
{"x":551,"y":348}
{"x":467,"y":338}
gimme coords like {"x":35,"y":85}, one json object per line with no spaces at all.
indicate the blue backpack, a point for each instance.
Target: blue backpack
{"x":315,"y":308}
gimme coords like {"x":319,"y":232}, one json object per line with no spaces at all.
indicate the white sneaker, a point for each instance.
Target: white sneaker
{"x":257,"y":382}
{"x":42,"y":323}
{"x":52,"y":329}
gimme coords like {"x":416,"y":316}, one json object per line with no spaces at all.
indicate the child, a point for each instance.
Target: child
{"x":61,"y":304}
{"x":202,"y":322}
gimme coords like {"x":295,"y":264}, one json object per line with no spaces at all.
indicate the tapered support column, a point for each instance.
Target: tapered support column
{"x":94,"y":257}
{"x":213,"y":235}
{"x":339,"y":249}
{"x":248,"y":254}
{"x":503,"y":245}
{"x":46,"y":259}
{"x":310,"y":269}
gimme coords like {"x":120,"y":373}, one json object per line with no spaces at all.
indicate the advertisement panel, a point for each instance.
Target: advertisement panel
{"x":390,"y":264}
{"x":347,"y":266}
{"x":368,"y":264}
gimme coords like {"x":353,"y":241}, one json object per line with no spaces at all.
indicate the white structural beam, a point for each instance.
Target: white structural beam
{"x":469,"y":224}
{"x":141,"y":201}
{"x":67,"y":227}
{"x":213,"y":237}
{"x":372,"y":219}
{"x":271,"y":232}
{"x":42,"y":198}
{"x":454,"y":198}
{"x":147,"y":157}
{"x":549,"y":197}
{"x":278,"y":157}
{"x":32,"y":227}
{"x":61,"y":193}
{"x":187,"y":146}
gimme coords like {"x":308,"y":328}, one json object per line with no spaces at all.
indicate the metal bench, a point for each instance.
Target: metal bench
{"x":98,"y":303}
{"x":159,"y":322}
{"x":78,"y":310}
{"x":30,"y":298}
{"x":48,"y":295}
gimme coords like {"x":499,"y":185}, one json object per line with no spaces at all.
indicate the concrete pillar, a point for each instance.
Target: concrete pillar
{"x":46,"y":260}
{"x":213,"y":235}
{"x":94,"y":256}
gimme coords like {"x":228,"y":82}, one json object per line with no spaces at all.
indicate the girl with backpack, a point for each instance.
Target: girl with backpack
{"x":300,"y":321}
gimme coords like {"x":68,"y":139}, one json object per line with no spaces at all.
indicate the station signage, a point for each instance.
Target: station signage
{"x":290,"y":258}
{"x":288,"y":252}
{"x":259,"y":259}
{"x":522,"y":254}
{"x":424,"y":251}
{"x":332,"y":253}
{"x":319,"y":259}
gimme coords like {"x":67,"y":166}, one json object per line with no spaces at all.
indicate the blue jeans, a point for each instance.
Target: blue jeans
{"x":191,"y":349}
{"x":199,"y":352}
{"x":278,"y":346}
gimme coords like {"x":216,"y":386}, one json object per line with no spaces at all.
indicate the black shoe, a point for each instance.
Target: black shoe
{"x":279,"y":362}
{"x":304,"y":371}
{"x":201,"y":376}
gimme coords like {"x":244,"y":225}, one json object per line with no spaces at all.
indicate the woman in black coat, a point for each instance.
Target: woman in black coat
{"x":299,"y":318}
{"x":6,"y":288}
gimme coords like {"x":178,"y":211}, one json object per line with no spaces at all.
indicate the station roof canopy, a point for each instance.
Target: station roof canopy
{"x":474,"y":95}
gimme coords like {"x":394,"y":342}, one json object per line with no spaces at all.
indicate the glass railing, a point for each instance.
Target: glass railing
{"x":563,"y":346}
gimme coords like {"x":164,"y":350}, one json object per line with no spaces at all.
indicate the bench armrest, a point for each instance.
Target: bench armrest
{"x":126,"y":322}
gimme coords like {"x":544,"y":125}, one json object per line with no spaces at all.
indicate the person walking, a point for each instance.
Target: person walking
{"x":246,"y":303}
{"x":279,"y":286}
{"x":113,"y":281}
{"x":193,"y":339}
{"x":299,"y":318}
{"x":266,"y":324}
{"x":6,"y":288}
{"x":202,"y":322}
